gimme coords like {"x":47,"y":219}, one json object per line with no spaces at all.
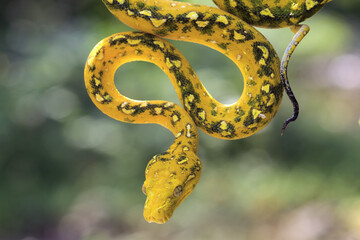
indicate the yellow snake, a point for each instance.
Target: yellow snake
{"x":171,"y":176}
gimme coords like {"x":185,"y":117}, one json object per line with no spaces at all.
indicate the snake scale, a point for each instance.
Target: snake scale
{"x":171,"y":176}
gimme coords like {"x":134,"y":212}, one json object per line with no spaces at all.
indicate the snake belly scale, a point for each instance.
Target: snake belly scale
{"x":171,"y":176}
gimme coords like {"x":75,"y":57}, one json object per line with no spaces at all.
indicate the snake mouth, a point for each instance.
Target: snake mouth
{"x":161,"y":214}
{"x":158,"y":216}
{"x":152,"y":219}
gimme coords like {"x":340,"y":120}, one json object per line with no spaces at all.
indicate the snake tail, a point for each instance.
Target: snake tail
{"x":300,"y":33}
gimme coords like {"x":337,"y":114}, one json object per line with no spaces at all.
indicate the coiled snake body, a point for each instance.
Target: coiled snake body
{"x":171,"y":176}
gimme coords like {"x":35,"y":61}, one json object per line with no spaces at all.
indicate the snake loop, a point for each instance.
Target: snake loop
{"x":171,"y":176}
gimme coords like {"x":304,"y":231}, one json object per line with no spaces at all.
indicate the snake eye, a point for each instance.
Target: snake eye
{"x":143,"y":189}
{"x":178,"y":191}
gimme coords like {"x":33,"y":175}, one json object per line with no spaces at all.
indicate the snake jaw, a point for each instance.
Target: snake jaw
{"x":160,"y":206}
{"x":156,"y":220}
{"x":158,"y":215}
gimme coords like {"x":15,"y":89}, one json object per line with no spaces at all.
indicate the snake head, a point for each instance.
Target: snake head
{"x":169,"y":179}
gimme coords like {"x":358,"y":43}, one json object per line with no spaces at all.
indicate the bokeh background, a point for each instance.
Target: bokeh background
{"x":69,"y":172}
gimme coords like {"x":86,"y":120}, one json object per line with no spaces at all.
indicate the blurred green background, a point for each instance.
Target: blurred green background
{"x":69,"y":172}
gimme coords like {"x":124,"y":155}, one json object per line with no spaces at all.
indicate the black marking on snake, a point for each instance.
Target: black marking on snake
{"x":241,"y":113}
{"x":146,"y":39}
{"x":258,"y":102}
{"x":181,"y":132}
{"x":93,"y":83}
{"x":138,"y":109}
{"x":258,"y":54}
{"x":195,"y":168}
{"x":277,"y":90}
{"x":182,"y":18}
{"x":280,"y":14}
{"x":186,"y":87}
{"x":213,"y":111}
{"x":140,"y":5}
{"x":169,"y":26}
{"x":208,"y":29}
{"x":223,"y":45}
{"x":139,"y":52}
{"x":154,"y":8}
{"x":214,"y":127}
{"x":221,"y":24}
{"x":191,"y":71}
{"x":250,"y":119}
{"x":178,"y":115}
{"x":106,"y":100}
{"x":180,"y":159}
{"x":177,"y":145}
{"x":172,"y":57}
{"x":198,"y":111}
{"x":186,"y":29}
{"x":248,"y":35}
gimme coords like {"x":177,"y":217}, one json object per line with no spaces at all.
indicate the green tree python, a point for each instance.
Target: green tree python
{"x":171,"y":176}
